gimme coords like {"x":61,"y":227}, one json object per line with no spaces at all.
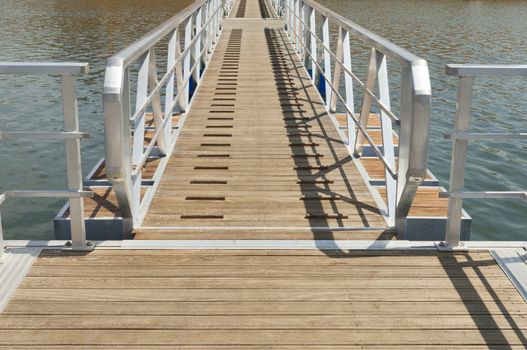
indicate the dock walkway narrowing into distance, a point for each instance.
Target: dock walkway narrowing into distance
{"x":258,"y":150}
{"x":261,"y":230}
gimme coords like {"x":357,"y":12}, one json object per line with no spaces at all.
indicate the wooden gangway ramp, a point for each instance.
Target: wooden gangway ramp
{"x":259,"y":150}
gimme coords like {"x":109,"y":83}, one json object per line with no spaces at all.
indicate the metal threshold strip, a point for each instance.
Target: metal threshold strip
{"x":273,"y":244}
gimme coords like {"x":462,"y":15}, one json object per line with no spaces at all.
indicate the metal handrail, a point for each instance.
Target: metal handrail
{"x":301,"y":18}
{"x":390,"y":169}
{"x":466,"y":74}
{"x":71,"y":137}
{"x":343,"y":66}
{"x":192,"y":34}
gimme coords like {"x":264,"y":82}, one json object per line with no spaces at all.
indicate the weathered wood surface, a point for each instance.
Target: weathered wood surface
{"x":264,"y":299}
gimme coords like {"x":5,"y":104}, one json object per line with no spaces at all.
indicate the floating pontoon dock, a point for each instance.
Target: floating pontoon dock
{"x":257,"y":193}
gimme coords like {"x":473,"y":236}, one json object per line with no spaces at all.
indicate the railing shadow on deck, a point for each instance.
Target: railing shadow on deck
{"x":474,"y":303}
{"x":275,"y":41}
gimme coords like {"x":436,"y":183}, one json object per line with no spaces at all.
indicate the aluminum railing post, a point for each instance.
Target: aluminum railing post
{"x":366,"y":100}
{"x":117,"y":135}
{"x":387,"y":137}
{"x":457,"y":167}
{"x":73,"y":165}
{"x":405,"y":132}
{"x":327,"y":59}
{"x":337,"y":72}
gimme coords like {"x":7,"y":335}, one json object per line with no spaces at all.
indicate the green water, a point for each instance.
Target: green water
{"x":91,"y":31}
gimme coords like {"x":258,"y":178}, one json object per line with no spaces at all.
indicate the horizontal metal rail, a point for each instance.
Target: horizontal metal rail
{"x":486,"y":136}
{"x":484,"y":195}
{"x":61,"y":68}
{"x":461,"y":136}
{"x":191,"y":34}
{"x":71,"y":137}
{"x":34,"y":135}
{"x":43,"y":194}
{"x":307,"y":24}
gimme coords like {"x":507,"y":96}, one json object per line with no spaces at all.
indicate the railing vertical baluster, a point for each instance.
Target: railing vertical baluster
{"x":303,"y":13}
{"x":314,"y":53}
{"x":73,"y":164}
{"x":182,"y":99}
{"x":348,"y":81}
{"x":337,"y":72}
{"x":162,"y":144}
{"x":209,"y":16}
{"x":186,"y":61}
{"x":214,"y":20}
{"x":139,"y":130}
{"x":366,"y":100}
{"x":205,"y":35}
{"x":219,"y":16}
{"x":297,"y":26}
{"x":290,"y":21}
{"x":327,"y":58}
{"x":405,"y":133}
{"x":459,"y":155}
{"x":169,"y":91}
{"x":387,"y":137}
{"x":125,"y":190}
{"x":197,"y":48}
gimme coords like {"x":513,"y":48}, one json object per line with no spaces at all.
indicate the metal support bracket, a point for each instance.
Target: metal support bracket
{"x":69,"y":247}
{"x":444,"y":247}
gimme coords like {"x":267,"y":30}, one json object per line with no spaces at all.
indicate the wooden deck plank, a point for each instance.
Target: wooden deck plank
{"x":264,"y":298}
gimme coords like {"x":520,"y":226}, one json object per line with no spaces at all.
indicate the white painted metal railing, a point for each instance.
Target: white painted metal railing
{"x":71,"y":136}
{"x":460,"y":137}
{"x":191,"y":35}
{"x":305,"y":19}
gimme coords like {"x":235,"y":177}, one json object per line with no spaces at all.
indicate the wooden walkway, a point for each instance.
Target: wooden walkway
{"x":264,"y":299}
{"x":259,"y":150}
{"x":259,"y":158}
